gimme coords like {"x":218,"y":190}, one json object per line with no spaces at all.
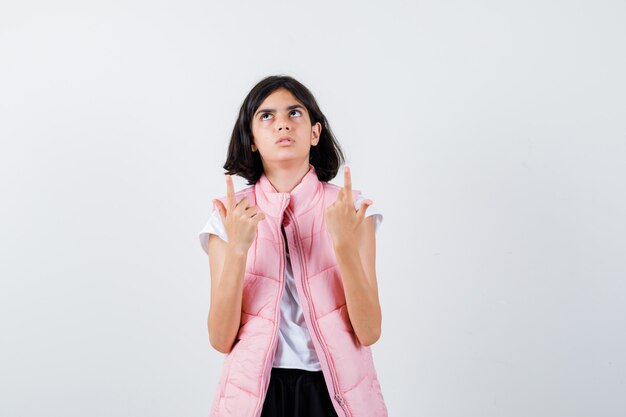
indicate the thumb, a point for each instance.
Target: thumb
{"x":360,"y":214}
{"x":219,"y":206}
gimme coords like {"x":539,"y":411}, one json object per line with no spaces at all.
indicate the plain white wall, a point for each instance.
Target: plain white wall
{"x":490,"y":134}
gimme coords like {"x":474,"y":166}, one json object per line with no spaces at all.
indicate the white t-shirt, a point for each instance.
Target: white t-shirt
{"x":295,"y":348}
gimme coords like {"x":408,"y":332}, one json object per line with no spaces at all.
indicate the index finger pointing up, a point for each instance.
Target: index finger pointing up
{"x":347,"y":180}
{"x":230,"y":194}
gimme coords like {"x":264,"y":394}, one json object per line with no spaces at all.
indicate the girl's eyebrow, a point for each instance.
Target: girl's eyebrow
{"x":293,"y":106}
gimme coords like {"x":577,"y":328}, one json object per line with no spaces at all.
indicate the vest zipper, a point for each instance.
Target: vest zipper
{"x":272,"y":350}
{"x":312,"y":315}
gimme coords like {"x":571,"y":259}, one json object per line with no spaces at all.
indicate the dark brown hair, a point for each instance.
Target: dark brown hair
{"x":326,"y":156}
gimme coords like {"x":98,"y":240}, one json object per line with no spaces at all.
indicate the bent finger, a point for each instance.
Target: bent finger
{"x":258,"y":217}
{"x":243,"y":202}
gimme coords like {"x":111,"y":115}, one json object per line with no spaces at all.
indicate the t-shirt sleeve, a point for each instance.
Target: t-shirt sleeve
{"x":372,"y":210}
{"x":213,"y":225}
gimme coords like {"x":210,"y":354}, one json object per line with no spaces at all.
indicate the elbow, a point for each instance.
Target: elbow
{"x":370,"y":338}
{"x":221,"y":346}
{"x":219,"y":342}
{"x":369,"y":333}
{"x":218,"y":339}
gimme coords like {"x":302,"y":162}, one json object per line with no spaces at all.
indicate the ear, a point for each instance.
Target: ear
{"x":316,"y":131}
{"x":253,"y":147}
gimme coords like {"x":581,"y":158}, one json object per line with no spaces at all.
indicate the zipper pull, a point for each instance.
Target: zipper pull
{"x":339,"y":399}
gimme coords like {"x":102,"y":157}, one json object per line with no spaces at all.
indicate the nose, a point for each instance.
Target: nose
{"x":283,"y":123}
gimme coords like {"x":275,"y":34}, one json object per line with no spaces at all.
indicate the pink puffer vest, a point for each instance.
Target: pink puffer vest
{"x":347,"y":366}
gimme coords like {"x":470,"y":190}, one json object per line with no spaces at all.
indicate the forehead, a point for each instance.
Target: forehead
{"x":280,"y":98}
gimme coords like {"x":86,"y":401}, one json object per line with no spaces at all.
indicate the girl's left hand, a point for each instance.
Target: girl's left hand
{"x":342,"y":219}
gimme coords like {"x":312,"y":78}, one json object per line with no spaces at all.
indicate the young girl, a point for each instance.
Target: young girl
{"x":294,"y":299}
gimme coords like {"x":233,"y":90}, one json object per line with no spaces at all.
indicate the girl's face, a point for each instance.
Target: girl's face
{"x":282,"y":130}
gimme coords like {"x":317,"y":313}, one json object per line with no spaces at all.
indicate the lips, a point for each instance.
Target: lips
{"x":284,"y":139}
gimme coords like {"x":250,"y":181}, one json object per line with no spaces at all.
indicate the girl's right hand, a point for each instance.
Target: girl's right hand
{"x":240,"y":220}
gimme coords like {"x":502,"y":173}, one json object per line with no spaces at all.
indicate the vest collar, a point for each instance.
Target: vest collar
{"x":303,"y":197}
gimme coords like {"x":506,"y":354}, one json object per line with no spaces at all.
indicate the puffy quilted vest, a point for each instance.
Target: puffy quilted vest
{"x":347,"y":366}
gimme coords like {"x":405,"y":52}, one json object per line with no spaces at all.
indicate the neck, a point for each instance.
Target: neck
{"x":285,"y":178}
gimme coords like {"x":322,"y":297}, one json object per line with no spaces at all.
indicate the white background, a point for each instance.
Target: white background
{"x":490,"y":134}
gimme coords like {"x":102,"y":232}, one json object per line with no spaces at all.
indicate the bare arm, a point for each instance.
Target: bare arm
{"x":357,"y":264}
{"x":227,"y":262}
{"x":227,"y":265}
{"x":354,"y":242}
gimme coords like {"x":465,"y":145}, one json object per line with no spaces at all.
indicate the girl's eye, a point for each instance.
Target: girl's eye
{"x":263,"y":116}
{"x":296,"y":111}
